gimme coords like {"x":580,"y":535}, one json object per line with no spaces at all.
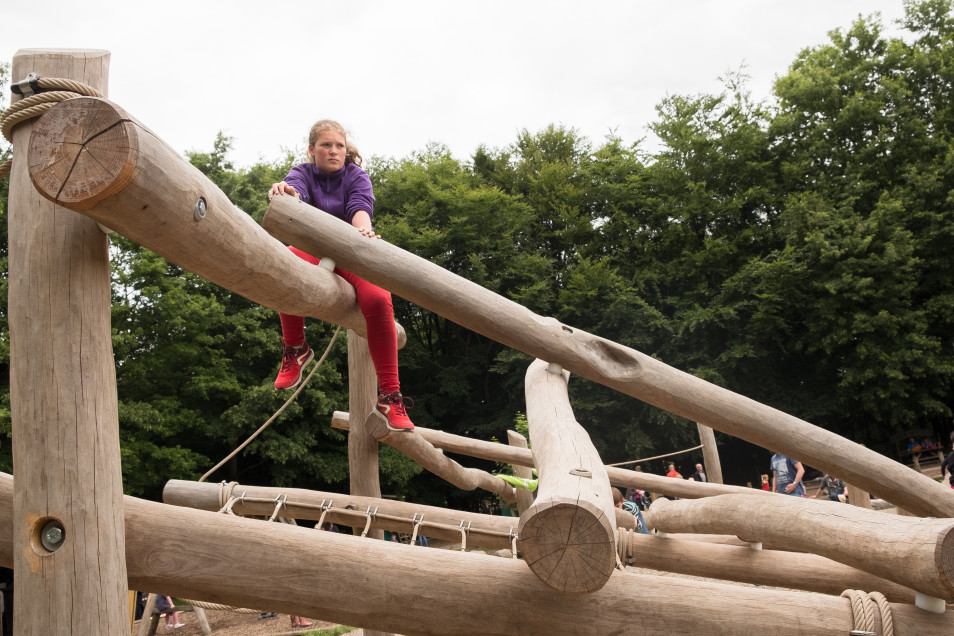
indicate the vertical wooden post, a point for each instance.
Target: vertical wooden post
{"x":69,"y":543}
{"x":710,"y":454}
{"x":857,"y":496}
{"x":362,"y":448}
{"x":524,"y":497}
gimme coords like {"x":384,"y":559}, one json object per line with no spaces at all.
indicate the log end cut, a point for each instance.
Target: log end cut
{"x":82,"y":151}
{"x":569,"y":545}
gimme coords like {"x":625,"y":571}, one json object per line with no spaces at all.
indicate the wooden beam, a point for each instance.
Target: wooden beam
{"x":409,"y":590}
{"x":524,"y":496}
{"x":710,"y":454}
{"x":68,"y":508}
{"x":915,"y":553}
{"x":90,"y":156}
{"x":744,"y":564}
{"x":600,"y":360}
{"x":568,"y":535}
{"x":621,"y":477}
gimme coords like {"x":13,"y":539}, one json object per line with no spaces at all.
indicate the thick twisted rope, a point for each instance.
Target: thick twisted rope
{"x":863,"y":612}
{"x":54,"y":90}
{"x":625,"y":546}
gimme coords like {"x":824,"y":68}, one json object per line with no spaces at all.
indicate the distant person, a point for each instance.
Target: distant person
{"x":765,"y":482}
{"x":787,"y":476}
{"x":673,"y":472}
{"x":914,"y":449}
{"x":164,"y":605}
{"x":699,"y":475}
{"x":948,"y":465}
{"x":834,"y":487}
{"x":334,"y":182}
{"x":631,"y":508}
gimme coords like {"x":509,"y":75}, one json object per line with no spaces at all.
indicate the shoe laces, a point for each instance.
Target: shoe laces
{"x":398,"y":401}
{"x":288,"y":358}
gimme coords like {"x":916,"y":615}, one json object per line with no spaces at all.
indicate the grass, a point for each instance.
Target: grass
{"x":336,"y":631}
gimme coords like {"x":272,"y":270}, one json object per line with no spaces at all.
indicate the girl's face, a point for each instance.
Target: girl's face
{"x":329,"y":151}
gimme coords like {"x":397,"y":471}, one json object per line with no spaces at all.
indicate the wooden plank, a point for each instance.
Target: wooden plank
{"x":915,"y":553}
{"x":63,"y":395}
{"x":568,"y":535}
{"x":603,"y":361}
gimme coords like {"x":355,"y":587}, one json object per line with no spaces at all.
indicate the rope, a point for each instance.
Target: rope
{"x":37,"y":104}
{"x":646,"y":459}
{"x":279,"y":411}
{"x":625,"y":546}
{"x":863,"y":612}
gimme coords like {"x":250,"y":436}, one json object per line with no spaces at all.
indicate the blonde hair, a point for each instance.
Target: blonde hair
{"x":351,"y":155}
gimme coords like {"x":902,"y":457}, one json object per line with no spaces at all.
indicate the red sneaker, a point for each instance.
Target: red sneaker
{"x":294,"y":360}
{"x":390,"y":406}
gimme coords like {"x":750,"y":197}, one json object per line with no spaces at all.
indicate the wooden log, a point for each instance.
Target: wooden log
{"x":388,"y":586}
{"x":858,"y":497}
{"x":568,"y":536}
{"x":362,"y":448}
{"x":434,"y":461}
{"x":90,"y":156}
{"x":68,"y":508}
{"x":915,"y":553}
{"x":710,"y":453}
{"x":603,"y":361}
{"x":524,"y":497}
{"x":775,"y":568}
{"x":620,"y":477}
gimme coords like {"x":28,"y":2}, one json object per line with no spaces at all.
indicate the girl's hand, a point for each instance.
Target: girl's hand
{"x":368,"y":231}
{"x":282,"y":188}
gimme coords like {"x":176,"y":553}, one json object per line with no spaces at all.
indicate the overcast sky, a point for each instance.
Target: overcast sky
{"x":401,"y":74}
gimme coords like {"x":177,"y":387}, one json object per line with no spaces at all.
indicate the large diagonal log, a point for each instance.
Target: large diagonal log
{"x":413,"y":591}
{"x":89,"y":155}
{"x":70,"y":558}
{"x":620,"y":477}
{"x":434,"y":461}
{"x":916,"y":553}
{"x":568,"y":536}
{"x":600,"y":360}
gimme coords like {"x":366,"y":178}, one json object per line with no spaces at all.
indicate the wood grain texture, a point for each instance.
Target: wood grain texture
{"x":91,"y":156}
{"x":915,"y":553}
{"x":603,"y":361}
{"x":568,"y":535}
{"x":410,"y":590}
{"x":63,"y":395}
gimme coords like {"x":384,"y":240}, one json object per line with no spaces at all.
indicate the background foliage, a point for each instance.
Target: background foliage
{"x":797,"y":251}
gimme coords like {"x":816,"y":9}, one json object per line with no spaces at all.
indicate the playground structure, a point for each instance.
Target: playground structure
{"x":77,"y":544}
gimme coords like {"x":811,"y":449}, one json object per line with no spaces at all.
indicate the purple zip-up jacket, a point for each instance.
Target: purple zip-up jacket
{"x":341,"y":193}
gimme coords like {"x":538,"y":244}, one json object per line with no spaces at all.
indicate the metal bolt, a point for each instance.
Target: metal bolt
{"x":52,"y":535}
{"x":199,"y":212}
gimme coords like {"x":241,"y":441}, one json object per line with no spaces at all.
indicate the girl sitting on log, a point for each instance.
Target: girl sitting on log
{"x":334,"y":182}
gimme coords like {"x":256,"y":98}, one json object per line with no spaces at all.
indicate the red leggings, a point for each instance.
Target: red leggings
{"x":375,"y":305}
